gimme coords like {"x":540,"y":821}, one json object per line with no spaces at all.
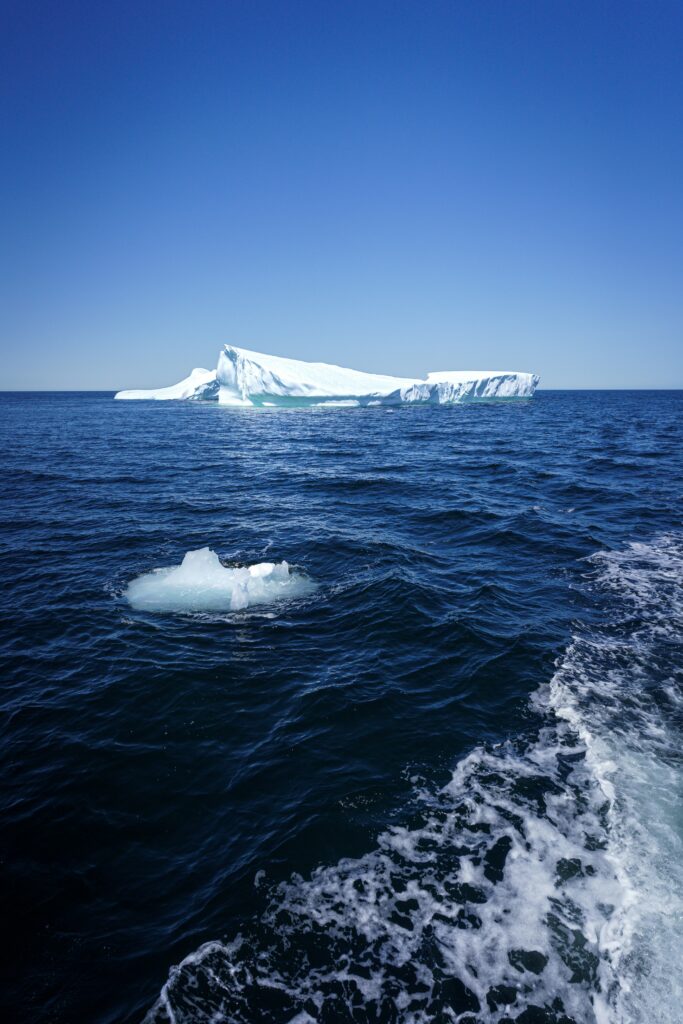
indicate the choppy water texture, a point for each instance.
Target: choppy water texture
{"x":441,"y":782}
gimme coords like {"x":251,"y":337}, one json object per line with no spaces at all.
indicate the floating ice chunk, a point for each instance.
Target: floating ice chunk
{"x":201,"y":583}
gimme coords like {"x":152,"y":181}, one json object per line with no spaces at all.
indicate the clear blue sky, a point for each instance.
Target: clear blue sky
{"x":400,"y":187}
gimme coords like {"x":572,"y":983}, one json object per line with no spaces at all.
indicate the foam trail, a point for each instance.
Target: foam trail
{"x":544,"y":884}
{"x":621,"y":693}
{"x":201,"y":583}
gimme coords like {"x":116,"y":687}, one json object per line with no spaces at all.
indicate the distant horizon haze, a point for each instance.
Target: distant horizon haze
{"x":391,"y":186}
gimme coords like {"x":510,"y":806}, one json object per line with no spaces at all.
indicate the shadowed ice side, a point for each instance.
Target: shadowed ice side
{"x":245,"y":378}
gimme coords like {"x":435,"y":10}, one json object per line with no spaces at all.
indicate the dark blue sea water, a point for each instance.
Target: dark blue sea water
{"x":443,"y":786}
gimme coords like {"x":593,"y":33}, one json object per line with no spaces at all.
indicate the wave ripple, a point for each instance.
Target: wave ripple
{"x":544,"y":883}
{"x":453,"y":764}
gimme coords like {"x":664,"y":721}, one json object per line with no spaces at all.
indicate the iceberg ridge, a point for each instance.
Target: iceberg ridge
{"x":246,"y":378}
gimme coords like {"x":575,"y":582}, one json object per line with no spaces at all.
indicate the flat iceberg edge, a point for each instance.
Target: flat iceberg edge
{"x":201,"y":583}
{"x":244,"y":378}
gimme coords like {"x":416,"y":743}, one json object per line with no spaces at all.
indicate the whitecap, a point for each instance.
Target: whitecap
{"x":543,"y":882}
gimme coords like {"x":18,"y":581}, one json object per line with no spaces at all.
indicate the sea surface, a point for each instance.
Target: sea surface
{"x":441,"y":783}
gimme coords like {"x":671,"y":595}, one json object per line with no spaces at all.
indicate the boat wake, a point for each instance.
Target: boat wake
{"x":544,"y":883}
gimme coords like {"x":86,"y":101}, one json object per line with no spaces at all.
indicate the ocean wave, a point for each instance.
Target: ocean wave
{"x":543,"y":883}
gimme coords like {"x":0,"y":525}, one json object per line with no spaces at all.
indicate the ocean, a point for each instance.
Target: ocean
{"x":439,"y":781}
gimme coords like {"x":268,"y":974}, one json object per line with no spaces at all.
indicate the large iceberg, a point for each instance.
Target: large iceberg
{"x":245,"y":378}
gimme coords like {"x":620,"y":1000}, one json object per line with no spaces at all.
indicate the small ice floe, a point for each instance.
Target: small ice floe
{"x":201,"y":583}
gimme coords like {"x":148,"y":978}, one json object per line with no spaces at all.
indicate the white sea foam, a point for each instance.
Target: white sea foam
{"x":544,"y":883}
{"x":621,"y":692}
{"x":201,"y":583}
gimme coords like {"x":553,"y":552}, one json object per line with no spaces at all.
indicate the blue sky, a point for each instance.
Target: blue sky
{"x":400,"y":187}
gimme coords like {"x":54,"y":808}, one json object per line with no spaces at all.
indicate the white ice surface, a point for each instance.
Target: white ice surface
{"x":247,"y":373}
{"x":245,"y":378}
{"x":190,"y":387}
{"x":202,"y":584}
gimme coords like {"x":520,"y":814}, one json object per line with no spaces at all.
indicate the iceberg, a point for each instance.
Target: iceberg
{"x":201,"y":583}
{"x":245,"y":378}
